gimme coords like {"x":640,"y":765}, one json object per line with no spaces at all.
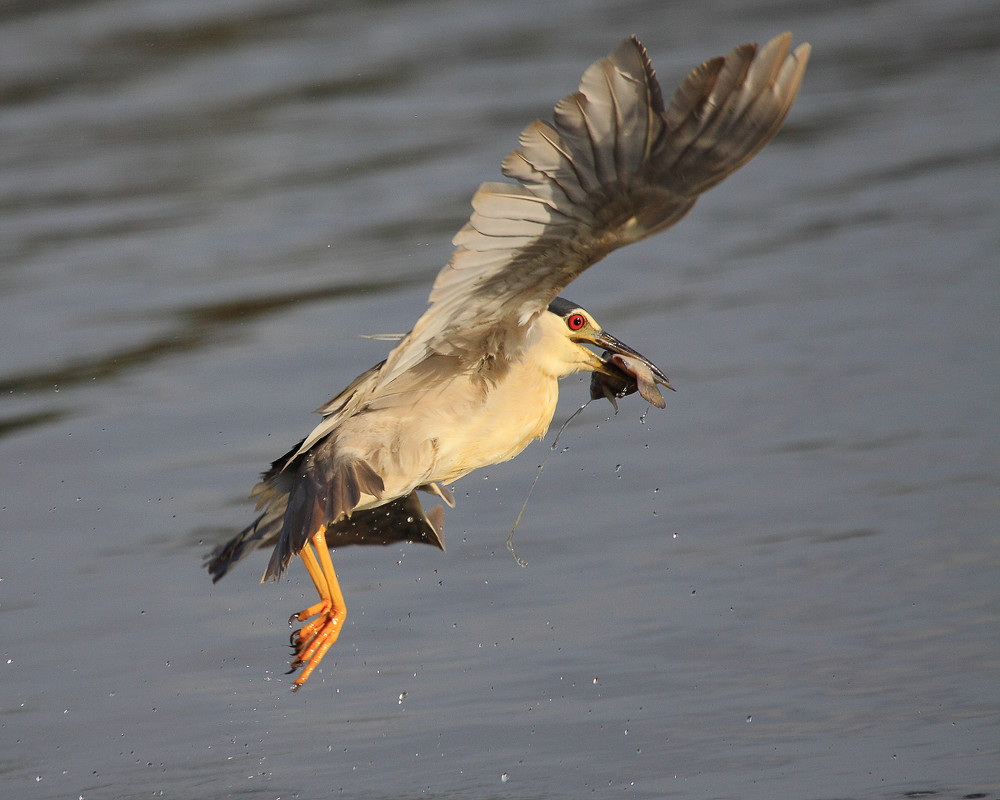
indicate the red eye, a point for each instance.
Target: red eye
{"x":575,"y":321}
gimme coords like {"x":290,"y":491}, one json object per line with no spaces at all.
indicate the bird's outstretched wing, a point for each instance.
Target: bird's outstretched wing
{"x":614,"y":167}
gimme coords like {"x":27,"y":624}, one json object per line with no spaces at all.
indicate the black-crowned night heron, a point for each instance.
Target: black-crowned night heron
{"x":476,"y":380}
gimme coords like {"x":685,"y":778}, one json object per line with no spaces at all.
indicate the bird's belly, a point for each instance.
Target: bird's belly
{"x":442,"y":436}
{"x":514,"y":413}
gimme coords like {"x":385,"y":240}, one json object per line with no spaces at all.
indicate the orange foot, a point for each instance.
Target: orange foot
{"x":313,"y":639}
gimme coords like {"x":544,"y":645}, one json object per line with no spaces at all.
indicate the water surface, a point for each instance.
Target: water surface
{"x":783,"y":585}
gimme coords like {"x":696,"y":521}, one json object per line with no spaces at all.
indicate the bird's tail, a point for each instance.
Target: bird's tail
{"x":324,"y":491}
{"x":262,"y":532}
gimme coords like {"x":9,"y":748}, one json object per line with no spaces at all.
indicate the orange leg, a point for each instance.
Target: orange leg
{"x":319,"y":581}
{"x":316,"y":573}
{"x":314,"y":638}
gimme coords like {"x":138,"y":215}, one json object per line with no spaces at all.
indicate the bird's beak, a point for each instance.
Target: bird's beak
{"x":621,"y":370}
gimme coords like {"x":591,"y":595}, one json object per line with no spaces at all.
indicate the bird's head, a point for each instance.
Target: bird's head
{"x":619,"y":370}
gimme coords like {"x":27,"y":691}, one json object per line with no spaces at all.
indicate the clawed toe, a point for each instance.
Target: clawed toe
{"x":313,"y":640}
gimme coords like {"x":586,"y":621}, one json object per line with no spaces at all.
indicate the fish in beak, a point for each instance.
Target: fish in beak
{"x":620,"y":370}
{"x":625,"y":371}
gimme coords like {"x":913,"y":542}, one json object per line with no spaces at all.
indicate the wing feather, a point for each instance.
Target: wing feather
{"x":614,"y":166}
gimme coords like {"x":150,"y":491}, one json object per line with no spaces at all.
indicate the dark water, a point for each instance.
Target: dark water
{"x":785,"y":585}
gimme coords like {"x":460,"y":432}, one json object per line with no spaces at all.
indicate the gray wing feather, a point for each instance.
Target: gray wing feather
{"x":402,"y":520}
{"x":614,"y":167}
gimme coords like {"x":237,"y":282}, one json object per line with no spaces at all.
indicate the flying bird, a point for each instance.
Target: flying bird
{"x":476,"y":379}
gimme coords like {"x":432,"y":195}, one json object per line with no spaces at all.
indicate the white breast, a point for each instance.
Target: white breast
{"x":515,"y":412}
